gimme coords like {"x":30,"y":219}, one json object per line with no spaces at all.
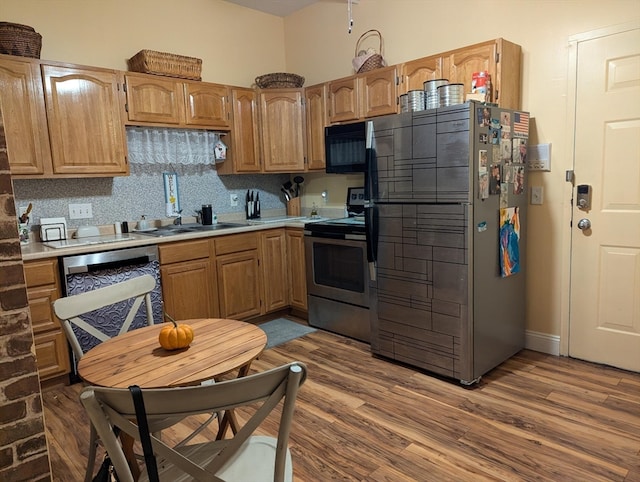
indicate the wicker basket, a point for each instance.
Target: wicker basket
{"x":169,"y":65}
{"x":279,"y":80}
{"x":22,"y":40}
{"x":364,"y":61}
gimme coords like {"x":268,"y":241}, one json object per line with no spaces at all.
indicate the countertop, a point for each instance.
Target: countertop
{"x":37,"y":250}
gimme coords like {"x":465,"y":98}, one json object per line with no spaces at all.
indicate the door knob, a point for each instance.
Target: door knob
{"x":584,"y":224}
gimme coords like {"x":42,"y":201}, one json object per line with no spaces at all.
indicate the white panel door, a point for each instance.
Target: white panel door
{"x":604,"y":323}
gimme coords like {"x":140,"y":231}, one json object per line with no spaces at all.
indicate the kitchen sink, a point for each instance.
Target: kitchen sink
{"x":172,"y":229}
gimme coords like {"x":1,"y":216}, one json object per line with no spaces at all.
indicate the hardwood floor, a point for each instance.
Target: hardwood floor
{"x":535,"y":417}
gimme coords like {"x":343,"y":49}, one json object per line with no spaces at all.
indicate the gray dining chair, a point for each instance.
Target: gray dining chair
{"x":244,"y":457}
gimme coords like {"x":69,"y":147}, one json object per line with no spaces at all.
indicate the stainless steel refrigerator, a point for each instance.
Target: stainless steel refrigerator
{"x":446,"y":229}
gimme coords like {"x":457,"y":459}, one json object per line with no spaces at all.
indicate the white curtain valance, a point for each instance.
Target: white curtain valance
{"x":155,"y":145}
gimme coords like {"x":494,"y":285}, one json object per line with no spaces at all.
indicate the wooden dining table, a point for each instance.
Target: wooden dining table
{"x":220,"y":346}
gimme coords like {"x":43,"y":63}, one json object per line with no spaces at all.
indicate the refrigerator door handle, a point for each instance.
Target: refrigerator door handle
{"x":371,"y":224}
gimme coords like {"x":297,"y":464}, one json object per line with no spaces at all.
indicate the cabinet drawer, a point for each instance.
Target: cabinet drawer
{"x":40,"y":273}
{"x":183,"y":251}
{"x":236,"y":243}
{"x":40,"y":304}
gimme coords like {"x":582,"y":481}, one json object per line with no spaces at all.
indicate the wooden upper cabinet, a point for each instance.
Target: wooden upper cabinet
{"x":25,"y":120}
{"x":500,"y":58}
{"x":157,"y":100}
{"x":365,"y":95}
{"x":316,"y":114}
{"x":415,"y":73}
{"x":154,"y":99}
{"x":282,"y":123}
{"x":344,"y":99}
{"x":244,"y":155}
{"x":379,"y":92}
{"x":207,"y":105}
{"x":84,"y":113}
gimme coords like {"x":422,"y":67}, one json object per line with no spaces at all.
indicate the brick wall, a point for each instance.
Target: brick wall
{"x":23,"y":446}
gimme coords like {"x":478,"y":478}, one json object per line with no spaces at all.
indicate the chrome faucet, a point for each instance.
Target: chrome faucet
{"x":178,"y":220}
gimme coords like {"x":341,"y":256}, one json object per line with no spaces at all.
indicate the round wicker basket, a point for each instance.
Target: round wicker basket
{"x":279,"y":80}
{"x":367,"y":60}
{"x":21,"y":40}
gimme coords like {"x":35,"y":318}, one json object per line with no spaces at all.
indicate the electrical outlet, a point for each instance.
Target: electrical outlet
{"x":234,"y":199}
{"x":80,"y":211}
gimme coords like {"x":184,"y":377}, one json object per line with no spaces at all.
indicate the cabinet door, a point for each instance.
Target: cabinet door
{"x":25,"y":120}
{"x":239,"y":284}
{"x":462,"y":63}
{"x":188,"y":291}
{"x":43,"y":288}
{"x":415,"y":73}
{"x":52,"y":354}
{"x":282,"y":124}
{"x":207,"y":105}
{"x":316,"y":114}
{"x":379,"y":92}
{"x":297,"y":269}
{"x":245,"y":152}
{"x":274,"y":270}
{"x":86,"y":128}
{"x":344,"y":100}
{"x":153,"y":99}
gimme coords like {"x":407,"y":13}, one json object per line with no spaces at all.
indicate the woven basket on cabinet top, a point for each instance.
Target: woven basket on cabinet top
{"x":21,"y":40}
{"x":364,"y":61}
{"x":169,"y":65}
{"x":279,"y":80}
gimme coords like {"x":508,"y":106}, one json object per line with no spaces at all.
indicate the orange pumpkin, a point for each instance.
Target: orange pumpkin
{"x":175,"y":336}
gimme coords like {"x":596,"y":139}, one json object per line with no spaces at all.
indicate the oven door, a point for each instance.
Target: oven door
{"x":337,"y":268}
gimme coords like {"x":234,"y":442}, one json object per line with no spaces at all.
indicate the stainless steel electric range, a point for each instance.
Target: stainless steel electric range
{"x":338,"y":276}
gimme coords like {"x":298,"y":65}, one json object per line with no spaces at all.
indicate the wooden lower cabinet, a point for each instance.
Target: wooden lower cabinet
{"x":238,"y":273}
{"x":43,"y":288}
{"x":273,"y":244}
{"x":189,"y":284}
{"x":297,"y":269}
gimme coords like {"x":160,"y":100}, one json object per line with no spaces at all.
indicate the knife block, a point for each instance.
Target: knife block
{"x":293,"y":207}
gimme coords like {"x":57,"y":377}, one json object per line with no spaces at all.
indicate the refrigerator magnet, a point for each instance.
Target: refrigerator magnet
{"x":505,"y":150}
{"x":482,"y":226}
{"x":505,"y":120}
{"x":509,"y":240}
{"x":483,"y":185}
{"x":494,"y":179}
{"x":504,"y":195}
{"x":482,"y":160}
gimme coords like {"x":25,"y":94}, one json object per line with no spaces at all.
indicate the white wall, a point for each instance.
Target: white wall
{"x":319,"y":47}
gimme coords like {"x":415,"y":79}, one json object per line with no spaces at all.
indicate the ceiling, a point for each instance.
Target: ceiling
{"x":281,"y":8}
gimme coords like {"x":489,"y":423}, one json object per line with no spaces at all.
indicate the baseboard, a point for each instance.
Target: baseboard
{"x":542,"y":342}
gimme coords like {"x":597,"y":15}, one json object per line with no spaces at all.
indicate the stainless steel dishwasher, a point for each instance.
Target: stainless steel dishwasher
{"x":86,"y":272}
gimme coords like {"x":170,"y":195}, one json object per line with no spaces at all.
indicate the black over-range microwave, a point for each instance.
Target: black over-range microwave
{"x":346,"y":147}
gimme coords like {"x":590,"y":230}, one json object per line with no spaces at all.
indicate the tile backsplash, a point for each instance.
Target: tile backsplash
{"x":142,"y":192}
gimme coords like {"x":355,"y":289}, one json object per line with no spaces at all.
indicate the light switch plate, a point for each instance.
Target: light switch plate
{"x":536,"y":194}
